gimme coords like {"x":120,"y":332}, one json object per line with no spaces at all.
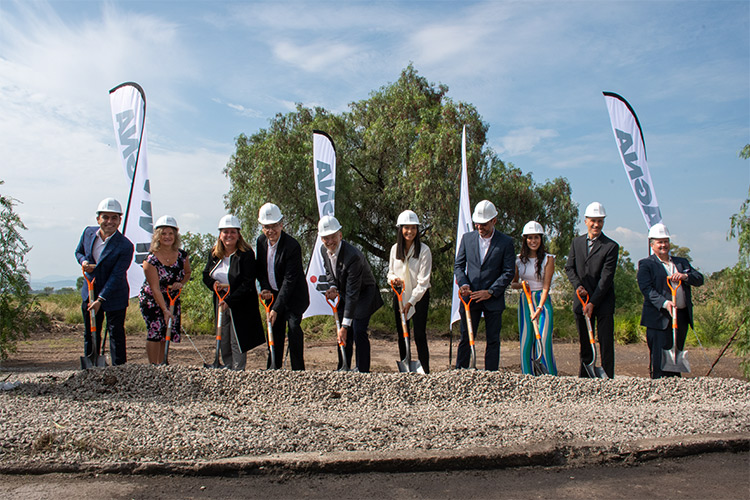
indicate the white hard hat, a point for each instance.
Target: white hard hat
{"x":595,"y":209}
{"x":229,"y":222}
{"x":109,"y":205}
{"x":166,"y":221}
{"x":485,"y":211}
{"x":658,"y":231}
{"x":407,"y":218}
{"x":328,"y":225}
{"x":269,"y":214}
{"x":532,"y":227}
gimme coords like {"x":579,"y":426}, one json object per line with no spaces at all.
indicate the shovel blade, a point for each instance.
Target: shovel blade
{"x":600,"y":373}
{"x":589,"y":369}
{"x":101,"y":361}
{"x":674,"y":361}
{"x":416,"y":367}
{"x":86,"y":363}
{"x":403,"y":366}
{"x":538,"y":367}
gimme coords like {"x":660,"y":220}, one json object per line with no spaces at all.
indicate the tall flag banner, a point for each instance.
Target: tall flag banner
{"x":632,"y":148}
{"x":324,"y":175}
{"x":464,"y":224}
{"x":128,"y":104}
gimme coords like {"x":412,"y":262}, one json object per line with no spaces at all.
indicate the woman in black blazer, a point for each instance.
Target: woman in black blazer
{"x":232,"y":262}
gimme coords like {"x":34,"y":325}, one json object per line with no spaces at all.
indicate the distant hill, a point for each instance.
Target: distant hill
{"x":55,"y":281}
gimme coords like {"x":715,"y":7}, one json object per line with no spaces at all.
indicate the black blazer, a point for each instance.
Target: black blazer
{"x":358,"y":293}
{"x":242,"y":298}
{"x":293,"y":295}
{"x":595,"y":272}
{"x":494,"y":273}
{"x":652,"y":280}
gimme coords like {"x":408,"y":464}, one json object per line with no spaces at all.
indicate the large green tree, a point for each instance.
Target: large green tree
{"x":398,"y":149}
{"x":19,"y":312}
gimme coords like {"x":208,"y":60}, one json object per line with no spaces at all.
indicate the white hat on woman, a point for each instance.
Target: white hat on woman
{"x":407,"y":218}
{"x":229,"y":222}
{"x":532,"y":227}
{"x":166,"y":221}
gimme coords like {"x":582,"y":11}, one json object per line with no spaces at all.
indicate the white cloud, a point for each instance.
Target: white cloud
{"x":318,"y":56}
{"x":523,"y":141}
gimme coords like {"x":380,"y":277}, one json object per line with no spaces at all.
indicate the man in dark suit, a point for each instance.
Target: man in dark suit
{"x":484,"y":267}
{"x":105,"y":254}
{"x":653,"y":273}
{"x":282,"y":279}
{"x":350,"y":278}
{"x":591,"y":266}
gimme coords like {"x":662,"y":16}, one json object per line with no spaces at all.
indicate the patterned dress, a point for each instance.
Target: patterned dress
{"x":150,"y":310}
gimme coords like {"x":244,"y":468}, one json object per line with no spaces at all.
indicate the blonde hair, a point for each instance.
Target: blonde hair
{"x":220,"y":252}
{"x":156,"y":239}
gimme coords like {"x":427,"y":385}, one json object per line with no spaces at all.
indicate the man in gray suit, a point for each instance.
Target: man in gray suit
{"x":484,"y":267}
{"x":591,"y":266}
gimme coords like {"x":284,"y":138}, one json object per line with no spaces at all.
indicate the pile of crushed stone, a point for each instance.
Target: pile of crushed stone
{"x":144,"y":413}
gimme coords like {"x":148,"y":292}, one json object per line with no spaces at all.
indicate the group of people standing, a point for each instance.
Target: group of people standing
{"x":486,"y":264}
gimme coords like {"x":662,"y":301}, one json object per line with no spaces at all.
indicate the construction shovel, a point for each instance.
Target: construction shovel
{"x":592,"y":370}
{"x":406,"y":364}
{"x":90,"y":360}
{"x":536,"y":359}
{"x":674,"y":360}
{"x":172,"y":300}
{"x":344,"y":361}
{"x":219,"y":317}
{"x":269,"y":334}
{"x":470,"y":328}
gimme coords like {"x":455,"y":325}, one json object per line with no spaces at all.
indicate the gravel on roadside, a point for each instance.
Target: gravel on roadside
{"x":143,"y":413}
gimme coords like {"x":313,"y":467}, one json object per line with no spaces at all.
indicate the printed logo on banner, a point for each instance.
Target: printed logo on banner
{"x":640,"y":187}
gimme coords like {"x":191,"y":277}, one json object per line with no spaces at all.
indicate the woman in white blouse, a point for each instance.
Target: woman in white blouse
{"x":535,"y":266}
{"x":409,"y":268}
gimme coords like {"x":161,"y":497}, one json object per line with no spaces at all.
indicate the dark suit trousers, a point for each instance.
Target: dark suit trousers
{"x":419,"y":332}
{"x":603,"y":326}
{"x":115,"y":329}
{"x":659,"y":340}
{"x":356,"y":334}
{"x":493,"y":322}
{"x":296,"y":340}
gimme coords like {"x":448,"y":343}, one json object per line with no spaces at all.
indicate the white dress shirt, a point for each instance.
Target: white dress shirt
{"x":415,"y":273}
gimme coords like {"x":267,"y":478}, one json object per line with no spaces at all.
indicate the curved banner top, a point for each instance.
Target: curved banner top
{"x":632,"y":148}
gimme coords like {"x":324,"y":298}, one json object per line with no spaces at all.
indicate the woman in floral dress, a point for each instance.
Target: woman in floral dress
{"x":165,"y":265}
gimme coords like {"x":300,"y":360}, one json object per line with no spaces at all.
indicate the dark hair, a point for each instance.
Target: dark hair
{"x":401,"y":244}
{"x":540,"y":253}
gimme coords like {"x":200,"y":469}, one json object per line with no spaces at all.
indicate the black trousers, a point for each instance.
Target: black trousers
{"x":115,"y":330}
{"x":296,"y":340}
{"x":356,"y":334}
{"x":418,"y":332}
{"x":603,"y":326}
{"x":493,"y":323}
{"x":659,"y":340}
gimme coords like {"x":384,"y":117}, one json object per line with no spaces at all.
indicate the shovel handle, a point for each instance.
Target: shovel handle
{"x":218,"y":290}
{"x":673,"y":289}
{"x":267,"y":307}
{"x":469,"y":326}
{"x":172,"y":300}
{"x":400,"y":296}
{"x":334,"y":307}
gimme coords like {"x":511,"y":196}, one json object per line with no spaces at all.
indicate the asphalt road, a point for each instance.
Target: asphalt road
{"x":714,"y":475}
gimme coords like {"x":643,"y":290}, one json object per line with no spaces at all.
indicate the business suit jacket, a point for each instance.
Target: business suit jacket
{"x":110,"y":275}
{"x":652,"y":280}
{"x":242,"y":298}
{"x":495,"y":273}
{"x":358,"y":291}
{"x":293,"y":295}
{"x":595,"y":272}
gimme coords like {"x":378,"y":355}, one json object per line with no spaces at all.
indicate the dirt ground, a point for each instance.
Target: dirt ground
{"x":61,"y":348}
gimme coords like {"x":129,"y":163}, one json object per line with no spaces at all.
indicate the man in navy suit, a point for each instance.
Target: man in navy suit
{"x":349,"y":278}
{"x":282,"y":279}
{"x":590,"y":268}
{"x":484,"y":267}
{"x":653,"y":273}
{"x":105,"y":255}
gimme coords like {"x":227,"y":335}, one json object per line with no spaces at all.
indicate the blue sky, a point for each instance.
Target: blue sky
{"x":535,"y":71}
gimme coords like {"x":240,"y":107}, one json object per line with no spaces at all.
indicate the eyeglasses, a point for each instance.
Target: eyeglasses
{"x":271,"y":227}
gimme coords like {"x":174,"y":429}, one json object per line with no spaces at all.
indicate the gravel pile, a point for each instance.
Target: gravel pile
{"x":145,"y":413}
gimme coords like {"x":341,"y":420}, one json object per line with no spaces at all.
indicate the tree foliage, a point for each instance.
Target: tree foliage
{"x":19,"y":312}
{"x":398,"y":149}
{"x":739,"y":276}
